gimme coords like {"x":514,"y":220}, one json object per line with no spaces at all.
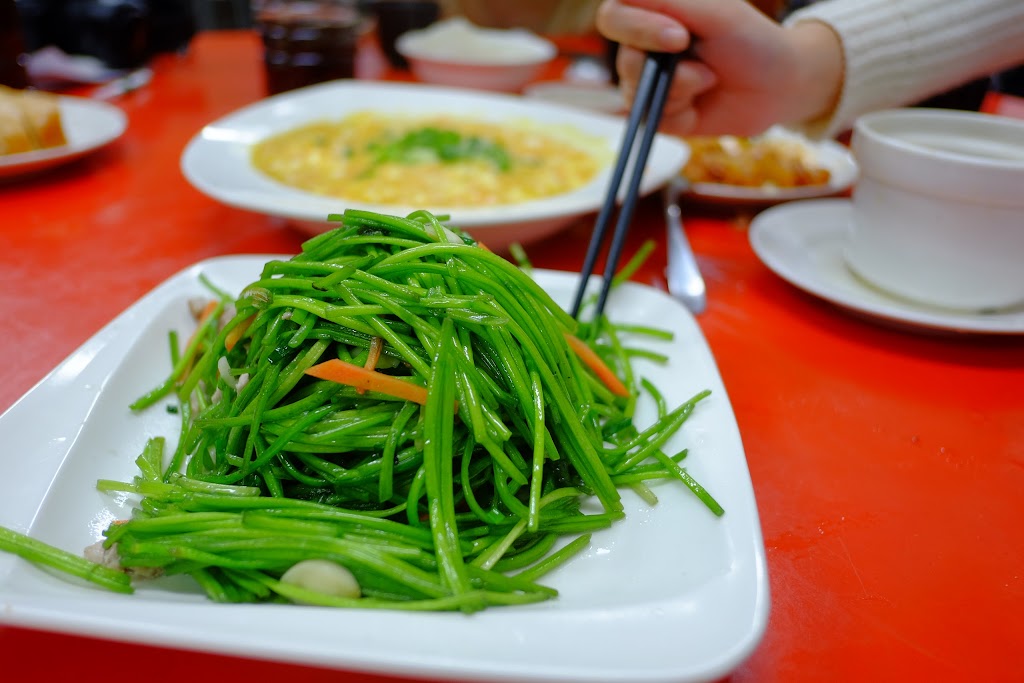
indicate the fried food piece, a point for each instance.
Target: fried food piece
{"x":42,"y":116}
{"x":13,"y":134}
{"x":752,"y":162}
{"x":29,"y":120}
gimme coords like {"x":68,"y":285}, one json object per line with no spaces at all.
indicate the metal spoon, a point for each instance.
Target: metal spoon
{"x":684,"y":279}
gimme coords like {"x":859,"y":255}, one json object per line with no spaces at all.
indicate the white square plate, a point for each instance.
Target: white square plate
{"x":671,"y":593}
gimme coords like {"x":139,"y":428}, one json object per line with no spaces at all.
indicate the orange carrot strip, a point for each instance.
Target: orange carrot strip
{"x":339,"y":371}
{"x":236,"y":333}
{"x":594,"y":362}
{"x":204,"y":315}
{"x":207,"y":311}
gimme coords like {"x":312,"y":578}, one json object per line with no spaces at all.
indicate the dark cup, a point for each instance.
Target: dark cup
{"x":309,"y":42}
{"x":12,"y":47}
{"x":395,"y":17}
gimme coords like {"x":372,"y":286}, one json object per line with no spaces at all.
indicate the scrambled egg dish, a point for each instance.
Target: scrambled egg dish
{"x":427,"y":161}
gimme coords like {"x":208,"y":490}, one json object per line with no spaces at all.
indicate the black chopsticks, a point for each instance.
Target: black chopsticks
{"x":652,"y":91}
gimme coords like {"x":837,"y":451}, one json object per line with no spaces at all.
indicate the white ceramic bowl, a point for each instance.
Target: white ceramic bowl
{"x":457,"y":53}
{"x":938,"y":210}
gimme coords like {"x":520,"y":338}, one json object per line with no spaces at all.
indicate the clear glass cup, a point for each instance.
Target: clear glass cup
{"x":309,"y":41}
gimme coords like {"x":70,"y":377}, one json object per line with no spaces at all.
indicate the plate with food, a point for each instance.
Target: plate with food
{"x":491,"y":490}
{"x":39,"y":129}
{"x":778,"y":166}
{"x":503,"y":167}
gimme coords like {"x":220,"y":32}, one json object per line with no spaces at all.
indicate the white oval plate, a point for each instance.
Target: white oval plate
{"x":217,"y":160}
{"x":835,"y":157}
{"x":802,"y":243}
{"x":669,"y":594}
{"x":88,"y":126}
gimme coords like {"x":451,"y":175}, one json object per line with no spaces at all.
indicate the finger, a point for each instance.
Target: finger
{"x":690,"y":81}
{"x":680,"y":123}
{"x":681,"y":95}
{"x":641,"y":28}
{"x":692,"y":78}
{"x":629,"y":63}
{"x":699,"y":17}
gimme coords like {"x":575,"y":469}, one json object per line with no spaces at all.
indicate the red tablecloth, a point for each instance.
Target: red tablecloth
{"x":888,"y":464}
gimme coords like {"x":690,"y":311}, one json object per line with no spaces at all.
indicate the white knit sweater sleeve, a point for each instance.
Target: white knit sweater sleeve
{"x":898,"y":52}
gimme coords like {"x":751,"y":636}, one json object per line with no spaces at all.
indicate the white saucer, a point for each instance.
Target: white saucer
{"x":802,"y":243}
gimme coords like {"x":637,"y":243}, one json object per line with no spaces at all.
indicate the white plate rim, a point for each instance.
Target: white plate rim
{"x":724,"y":614}
{"x":226,"y":140}
{"x":834,"y":156}
{"x":794,"y":240}
{"x":88,"y":125}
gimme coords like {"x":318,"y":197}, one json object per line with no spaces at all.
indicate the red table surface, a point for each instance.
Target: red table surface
{"x":888,"y":464}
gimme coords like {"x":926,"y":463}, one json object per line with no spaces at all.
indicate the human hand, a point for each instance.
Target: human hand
{"x":749,"y":74}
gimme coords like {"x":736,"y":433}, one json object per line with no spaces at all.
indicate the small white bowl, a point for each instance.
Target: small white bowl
{"x":455,"y":52}
{"x":938,"y":210}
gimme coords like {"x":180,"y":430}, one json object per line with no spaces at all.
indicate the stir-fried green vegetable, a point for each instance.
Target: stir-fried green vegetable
{"x":431,"y":144}
{"x":401,"y":403}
